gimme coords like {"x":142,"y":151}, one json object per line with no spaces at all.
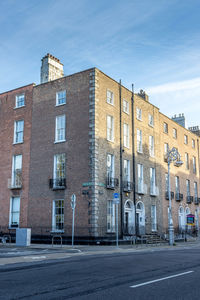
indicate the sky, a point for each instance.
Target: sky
{"x":153,"y":44}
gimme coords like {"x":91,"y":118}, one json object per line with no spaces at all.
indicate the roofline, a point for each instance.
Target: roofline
{"x":21,"y":87}
{"x":90,"y":69}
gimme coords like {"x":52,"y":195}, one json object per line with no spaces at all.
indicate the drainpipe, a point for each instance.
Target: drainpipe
{"x":121,"y":150}
{"x":133,"y":155}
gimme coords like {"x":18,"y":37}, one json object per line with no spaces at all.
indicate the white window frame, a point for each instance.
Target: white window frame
{"x":17,"y":171}
{"x":151,"y":146}
{"x":174,"y":133}
{"x":185,"y":139}
{"x":110,"y":128}
{"x":151,"y":120}
{"x":139,"y":113}
{"x":110,"y":216}
{"x":194,"y":164}
{"x":110,"y":169}
{"x":60,"y":156}
{"x":18,"y":100}
{"x":152,"y":181}
{"x":125,"y":106}
{"x":153,"y":218}
{"x":139,"y":141}
{"x":166,"y":147}
{"x":126,"y":135}
{"x":188,"y":187}
{"x":195,"y":189}
{"x":110,"y":97}
{"x":61,"y":96}
{"x":55,"y":225}
{"x":187,"y":166}
{"x":193,"y":143}
{"x":17,"y":132}
{"x":177,"y":185}
{"x":63,"y":129}
{"x":140,"y":178}
{"x":127,"y":170}
{"x":17,"y":212}
{"x":165,"y":127}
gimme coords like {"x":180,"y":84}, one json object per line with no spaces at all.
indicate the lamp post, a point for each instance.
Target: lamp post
{"x":172,"y":156}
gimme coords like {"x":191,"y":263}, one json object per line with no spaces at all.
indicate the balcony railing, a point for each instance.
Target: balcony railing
{"x":15,"y":184}
{"x":127,"y":186}
{"x":178,"y":197}
{"x":57,"y":184}
{"x":189,"y":199}
{"x":167,"y":195}
{"x":112,"y":183}
{"x":196,"y":200}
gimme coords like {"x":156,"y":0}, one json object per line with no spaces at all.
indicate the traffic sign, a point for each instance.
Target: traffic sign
{"x":116,"y":198}
{"x":116,"y":201}
{"x":116,"y":195}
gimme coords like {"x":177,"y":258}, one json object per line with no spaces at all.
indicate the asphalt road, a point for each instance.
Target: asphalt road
{"x":148,"y":275}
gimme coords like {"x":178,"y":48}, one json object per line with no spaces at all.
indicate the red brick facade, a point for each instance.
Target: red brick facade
{"x":8,"y":115}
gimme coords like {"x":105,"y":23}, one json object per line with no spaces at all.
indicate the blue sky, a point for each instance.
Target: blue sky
{"x":154,"y":44}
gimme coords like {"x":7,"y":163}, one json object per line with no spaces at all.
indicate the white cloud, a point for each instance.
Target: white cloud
{"x":178,"y":97}
{"x":175,"y":86}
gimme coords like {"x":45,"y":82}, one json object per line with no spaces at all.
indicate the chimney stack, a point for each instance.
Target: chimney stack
{"x":51,"y":68}
{"x":180,"y":119}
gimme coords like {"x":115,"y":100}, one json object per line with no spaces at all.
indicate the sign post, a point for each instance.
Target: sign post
{"x":116,"y":202}
{"x":73,"y":205}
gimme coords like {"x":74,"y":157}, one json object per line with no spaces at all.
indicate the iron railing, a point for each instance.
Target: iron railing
{"x":112,"y":183}
{"x":189,"y":199}
{"x":167,"y":195}
{"x":127,"y":186}
{"x":57,"y":184}
{"x":178,"y":197}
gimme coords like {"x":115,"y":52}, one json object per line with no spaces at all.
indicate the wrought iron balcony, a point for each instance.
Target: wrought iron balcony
{"x":57,"y":184}
{"x":189,"y":199}
{"x":111,"y":183}
{"x":167,"y":195}
{"x":178,"y":197}
{"x":127,"y":186}
{"x":196,"y":200}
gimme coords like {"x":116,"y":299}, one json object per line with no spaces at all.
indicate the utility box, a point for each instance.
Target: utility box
{"x":23,"y":236}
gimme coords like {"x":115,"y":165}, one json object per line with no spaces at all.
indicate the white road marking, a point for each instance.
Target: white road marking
{"x":34,"y":257}
{"x":164,"y":278}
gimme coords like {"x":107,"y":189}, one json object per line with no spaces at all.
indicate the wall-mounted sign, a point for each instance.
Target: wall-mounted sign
{"x":190,"y":220}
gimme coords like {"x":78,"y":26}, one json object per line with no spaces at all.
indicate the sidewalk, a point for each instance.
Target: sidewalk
{"x":99,"y":249}
{"x":11,"y":254}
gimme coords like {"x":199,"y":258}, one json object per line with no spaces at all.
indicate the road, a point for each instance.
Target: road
{"x":144,"y":275}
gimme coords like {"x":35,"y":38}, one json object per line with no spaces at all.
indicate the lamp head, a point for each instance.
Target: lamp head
{"x":178,"y":163}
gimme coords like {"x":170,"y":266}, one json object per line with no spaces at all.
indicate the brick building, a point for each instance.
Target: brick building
{"x":15,"y":137}
{"x":88,"y":135}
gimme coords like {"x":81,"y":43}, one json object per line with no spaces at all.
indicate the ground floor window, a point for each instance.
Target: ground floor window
{"x":110,"y":216}
{"x":58,"y":215}
{"x":14,"y":211}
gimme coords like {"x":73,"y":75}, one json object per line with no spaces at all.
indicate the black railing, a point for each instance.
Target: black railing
{"x":57,"y":184}
{"x":112,"y":183}
{"x":196,"y":200}
{"x":167,"y":195}
{"x":189,"y":199}
{"x":127,"y":186}
{"x":178,"y":197}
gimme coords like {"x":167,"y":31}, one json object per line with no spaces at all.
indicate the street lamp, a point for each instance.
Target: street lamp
{"x":172,"y":156}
